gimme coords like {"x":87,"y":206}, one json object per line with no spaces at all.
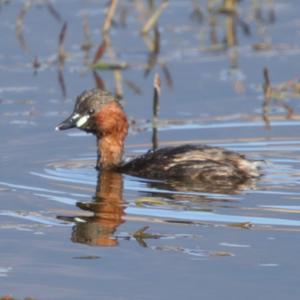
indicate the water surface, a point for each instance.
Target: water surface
{"x":68,"y":233}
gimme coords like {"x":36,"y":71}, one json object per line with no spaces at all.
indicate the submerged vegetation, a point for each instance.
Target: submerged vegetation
{"x":217,"y":26}
{"x":217,"y":23}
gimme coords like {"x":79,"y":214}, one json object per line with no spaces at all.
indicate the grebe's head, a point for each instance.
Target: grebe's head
{"x":98,"y":112}
{"x":87,"y":111}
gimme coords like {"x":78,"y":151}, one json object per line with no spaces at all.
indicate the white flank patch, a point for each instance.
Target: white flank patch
{"x":82,"y":121}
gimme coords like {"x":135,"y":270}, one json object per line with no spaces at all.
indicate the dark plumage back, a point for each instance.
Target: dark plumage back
{"x":193,"y":162}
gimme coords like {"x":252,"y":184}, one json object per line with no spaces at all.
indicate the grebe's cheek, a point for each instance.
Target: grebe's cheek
{"x":81,"y":122}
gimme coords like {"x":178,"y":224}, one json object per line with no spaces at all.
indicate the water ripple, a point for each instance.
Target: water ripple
{"x":152,"y":199}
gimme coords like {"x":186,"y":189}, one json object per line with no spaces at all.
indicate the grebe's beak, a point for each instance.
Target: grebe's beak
{"x":75,"y":120}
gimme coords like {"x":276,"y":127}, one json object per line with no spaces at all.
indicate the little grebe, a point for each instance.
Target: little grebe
{"x":96,"y":111}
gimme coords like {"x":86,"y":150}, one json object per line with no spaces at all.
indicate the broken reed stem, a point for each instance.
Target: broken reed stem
{"x":62,"y":83}
{"x":267,"y":85}
{"x":267,"y":97}
{"x":20,"y":24}
{"x":197,"y":13}
{"x":117,"y":73}
{"x":87,"y":35}
{"x":156,"y":95}
{"x":266,"y":77}
{"x":167,"y":74}
{"x":109,"y":16}
{"x":53,"y":11}
{"x":154,"y":18}
{"x":61,"y":48}
{"x":156,"y":98}
{"x":100,"y":51}
{"x":20,"y":18}
{"x":230,"y":6}
{"x":118,"y":84}
{"x":230,"y":31}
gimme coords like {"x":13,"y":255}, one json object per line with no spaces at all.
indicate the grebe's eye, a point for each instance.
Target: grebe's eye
{"x":91,"y":111}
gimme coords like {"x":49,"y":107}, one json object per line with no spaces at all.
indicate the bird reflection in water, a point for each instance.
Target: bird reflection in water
{"x":107,"y":213}
{"x":107,"y":207}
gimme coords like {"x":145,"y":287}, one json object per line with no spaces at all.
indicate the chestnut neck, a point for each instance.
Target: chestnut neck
{"x":110,"y":153}
{"x":112,"y":127}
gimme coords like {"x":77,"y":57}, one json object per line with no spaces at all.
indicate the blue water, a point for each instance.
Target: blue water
{"x":147,"y":239}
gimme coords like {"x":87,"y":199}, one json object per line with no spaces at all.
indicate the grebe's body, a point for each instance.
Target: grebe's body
{"x":97,"y":111}
{"x":192,"y":162}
